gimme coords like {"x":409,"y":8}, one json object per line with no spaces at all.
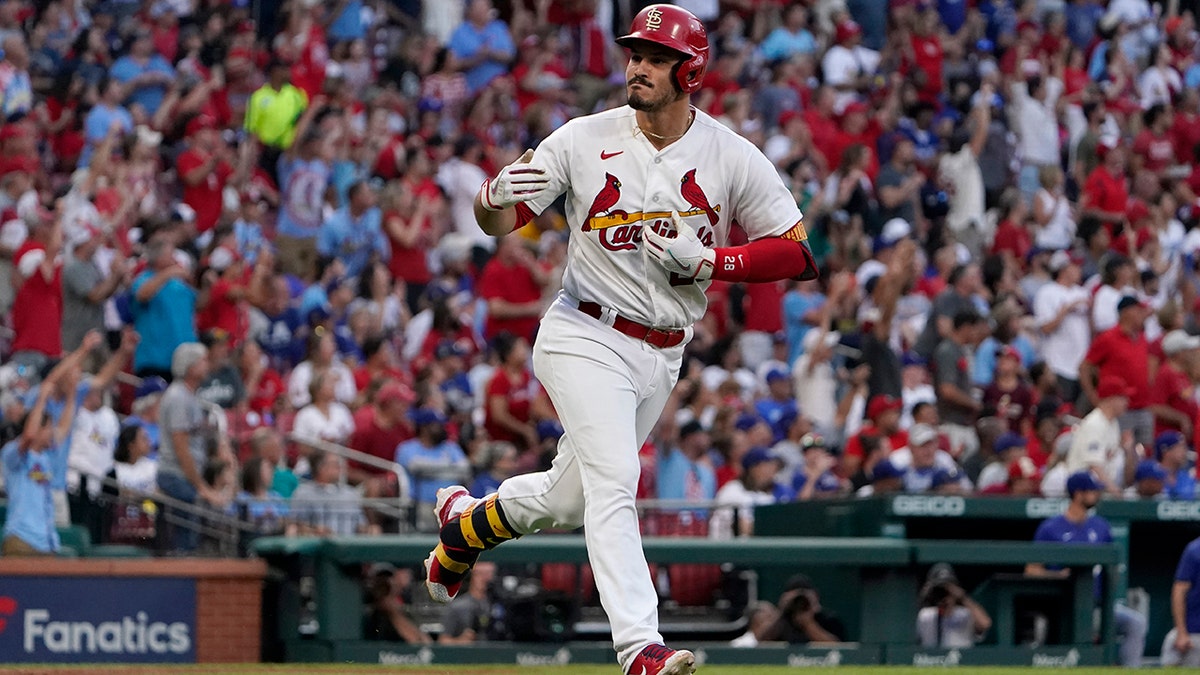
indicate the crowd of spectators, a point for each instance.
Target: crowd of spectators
{"x":267,"y":208}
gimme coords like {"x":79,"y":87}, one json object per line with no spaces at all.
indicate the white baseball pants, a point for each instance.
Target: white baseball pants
{"x":609,"y":390}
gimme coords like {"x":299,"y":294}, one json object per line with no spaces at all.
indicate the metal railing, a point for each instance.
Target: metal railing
{"x":400,"y":507}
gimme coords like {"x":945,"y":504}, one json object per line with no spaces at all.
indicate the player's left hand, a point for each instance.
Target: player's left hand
{"x":683,"y":254}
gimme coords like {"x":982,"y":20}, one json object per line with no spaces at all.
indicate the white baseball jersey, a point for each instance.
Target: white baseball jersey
{"x":615,"y":180}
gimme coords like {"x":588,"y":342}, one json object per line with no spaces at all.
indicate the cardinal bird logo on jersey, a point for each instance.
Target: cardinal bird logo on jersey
{"x":696,"y":197}
{"x":605,"y":200}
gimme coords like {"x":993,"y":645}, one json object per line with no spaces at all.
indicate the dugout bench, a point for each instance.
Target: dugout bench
{"x":871,"y":582}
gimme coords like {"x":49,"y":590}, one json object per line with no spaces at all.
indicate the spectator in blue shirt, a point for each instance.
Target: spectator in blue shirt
{"x":801,"y":310}
{"x":816,"y":478}
{"x":354,"y":233}
{"x":1077,"y":526}
{"x":790,"y":39}
{"x":686,"y":471}
{"x":282,"y":338}
{"x":1181,"y":646}
{"x":481,"y":46}
{"x":107,"y":116}
{"x":779,"y":408}
{"x":32,"y":462}
{"x":1171,"y":449}
{"x":145,"y":73}
{"x":164,"y":310}
{"x":498,"y":461}
{"x":348,"y":25}
{"x":432,"y":460}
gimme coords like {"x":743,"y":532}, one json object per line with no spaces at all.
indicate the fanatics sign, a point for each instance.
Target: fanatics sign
{"x":97,"y":619}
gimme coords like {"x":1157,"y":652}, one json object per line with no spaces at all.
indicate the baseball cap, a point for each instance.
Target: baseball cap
{"x":549,"y":429}
{"x":381,"y":569}
{"x":1008,"y":351}
{"x":199,"y":123}
{"x":448,"y":348}
{"x":881,"y":403}
{"x":692,"y":427}
{"x":894,"y":230}
{"x":920,"y":434}
{"x":1148,"y":469}
{"x":1111,"y":385}
{"x":1128,"y":301}
{"x":222,"y":257}
{"x":1179,"y":340}
{"x":945,"y":477}
{"x":150,"y":386}
{"x":776,"y":374}
{"x":423,"y":416}
{"x":885,"y":469}
{"x":848,"y":29}
{"x":394,"y":391}
{"x":1059,"y":261}
{"x":1007,"y":441}
{"x":1082,"y":480}
{"x":746,"y":421}
{"x":1167,"y":440}
{"x":757,"y":455}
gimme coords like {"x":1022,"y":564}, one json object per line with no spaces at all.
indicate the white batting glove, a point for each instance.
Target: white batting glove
{"x":683,"y":254}
{"x":518,"y":182}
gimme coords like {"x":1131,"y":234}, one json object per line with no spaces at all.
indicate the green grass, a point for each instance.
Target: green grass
{"x":354,"y":669}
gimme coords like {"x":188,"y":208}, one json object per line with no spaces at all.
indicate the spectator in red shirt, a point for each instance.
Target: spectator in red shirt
{"x":37,"y":307}
{"x":264,"y":386}
{"x":406,"y":222}
{"x":883,"y":411}
{"x":1121,"y":352}
{"x":203,"y":172}
{"x":1174,"y":403}
{"x":1154,"y":147}
{"x":926,"y":54}
{"x":1106,"y":192}
{"x":514,"y":400}
{"x":511,"y":283}
{"x":763,"y":304}
{"x":378,"y":429}
{"x":1185,"y":129}
{"x":225,"y":306}
{"x":1012,"y":234}
{"x":379,"y":365}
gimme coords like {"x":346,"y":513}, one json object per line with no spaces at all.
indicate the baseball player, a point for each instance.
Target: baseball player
{"x":652,"y":189}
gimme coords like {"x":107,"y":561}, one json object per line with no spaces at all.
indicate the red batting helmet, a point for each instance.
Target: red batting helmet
{"x":675,"y":28}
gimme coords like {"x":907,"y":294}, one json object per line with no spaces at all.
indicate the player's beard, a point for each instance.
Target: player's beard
{"x":651,"y":100}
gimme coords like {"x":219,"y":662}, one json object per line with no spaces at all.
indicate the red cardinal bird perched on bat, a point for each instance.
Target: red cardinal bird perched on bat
{"x":696,"y":197}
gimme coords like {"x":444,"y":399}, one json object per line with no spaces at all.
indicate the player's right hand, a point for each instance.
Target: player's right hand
{"x":1183,"y":642}
{"x":518,"y":182}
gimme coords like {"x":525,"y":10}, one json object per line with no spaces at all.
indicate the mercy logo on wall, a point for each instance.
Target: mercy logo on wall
{"x":93,"y":619}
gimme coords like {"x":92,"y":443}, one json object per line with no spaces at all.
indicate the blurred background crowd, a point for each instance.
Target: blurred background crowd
{"x":265,"y":210}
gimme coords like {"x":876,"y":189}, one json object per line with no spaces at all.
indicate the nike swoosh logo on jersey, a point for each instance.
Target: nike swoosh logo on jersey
{"x":610,"y":155}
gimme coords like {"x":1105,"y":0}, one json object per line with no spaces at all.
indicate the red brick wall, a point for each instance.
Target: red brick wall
{"x":228,"y":619}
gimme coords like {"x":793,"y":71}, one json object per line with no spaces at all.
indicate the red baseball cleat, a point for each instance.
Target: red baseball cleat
{"x":451,"y":502}
{"x":448,"y":505}
{"x":655,"y":659}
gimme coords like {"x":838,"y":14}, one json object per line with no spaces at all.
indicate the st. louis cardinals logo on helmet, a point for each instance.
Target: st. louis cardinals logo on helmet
{"x":621,"y":230}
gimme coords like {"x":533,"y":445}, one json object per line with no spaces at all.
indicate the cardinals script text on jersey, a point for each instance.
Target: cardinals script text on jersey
{"x":616,"y":181}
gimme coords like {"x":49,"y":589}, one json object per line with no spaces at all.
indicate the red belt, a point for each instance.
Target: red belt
{"x":657,"y":337}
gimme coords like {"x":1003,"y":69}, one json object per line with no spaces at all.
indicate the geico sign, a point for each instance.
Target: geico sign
{"x":1045,"y":508}
{"x":929,"y":506}
{"x":130,"y":635}
{"x":1178,"y":510}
